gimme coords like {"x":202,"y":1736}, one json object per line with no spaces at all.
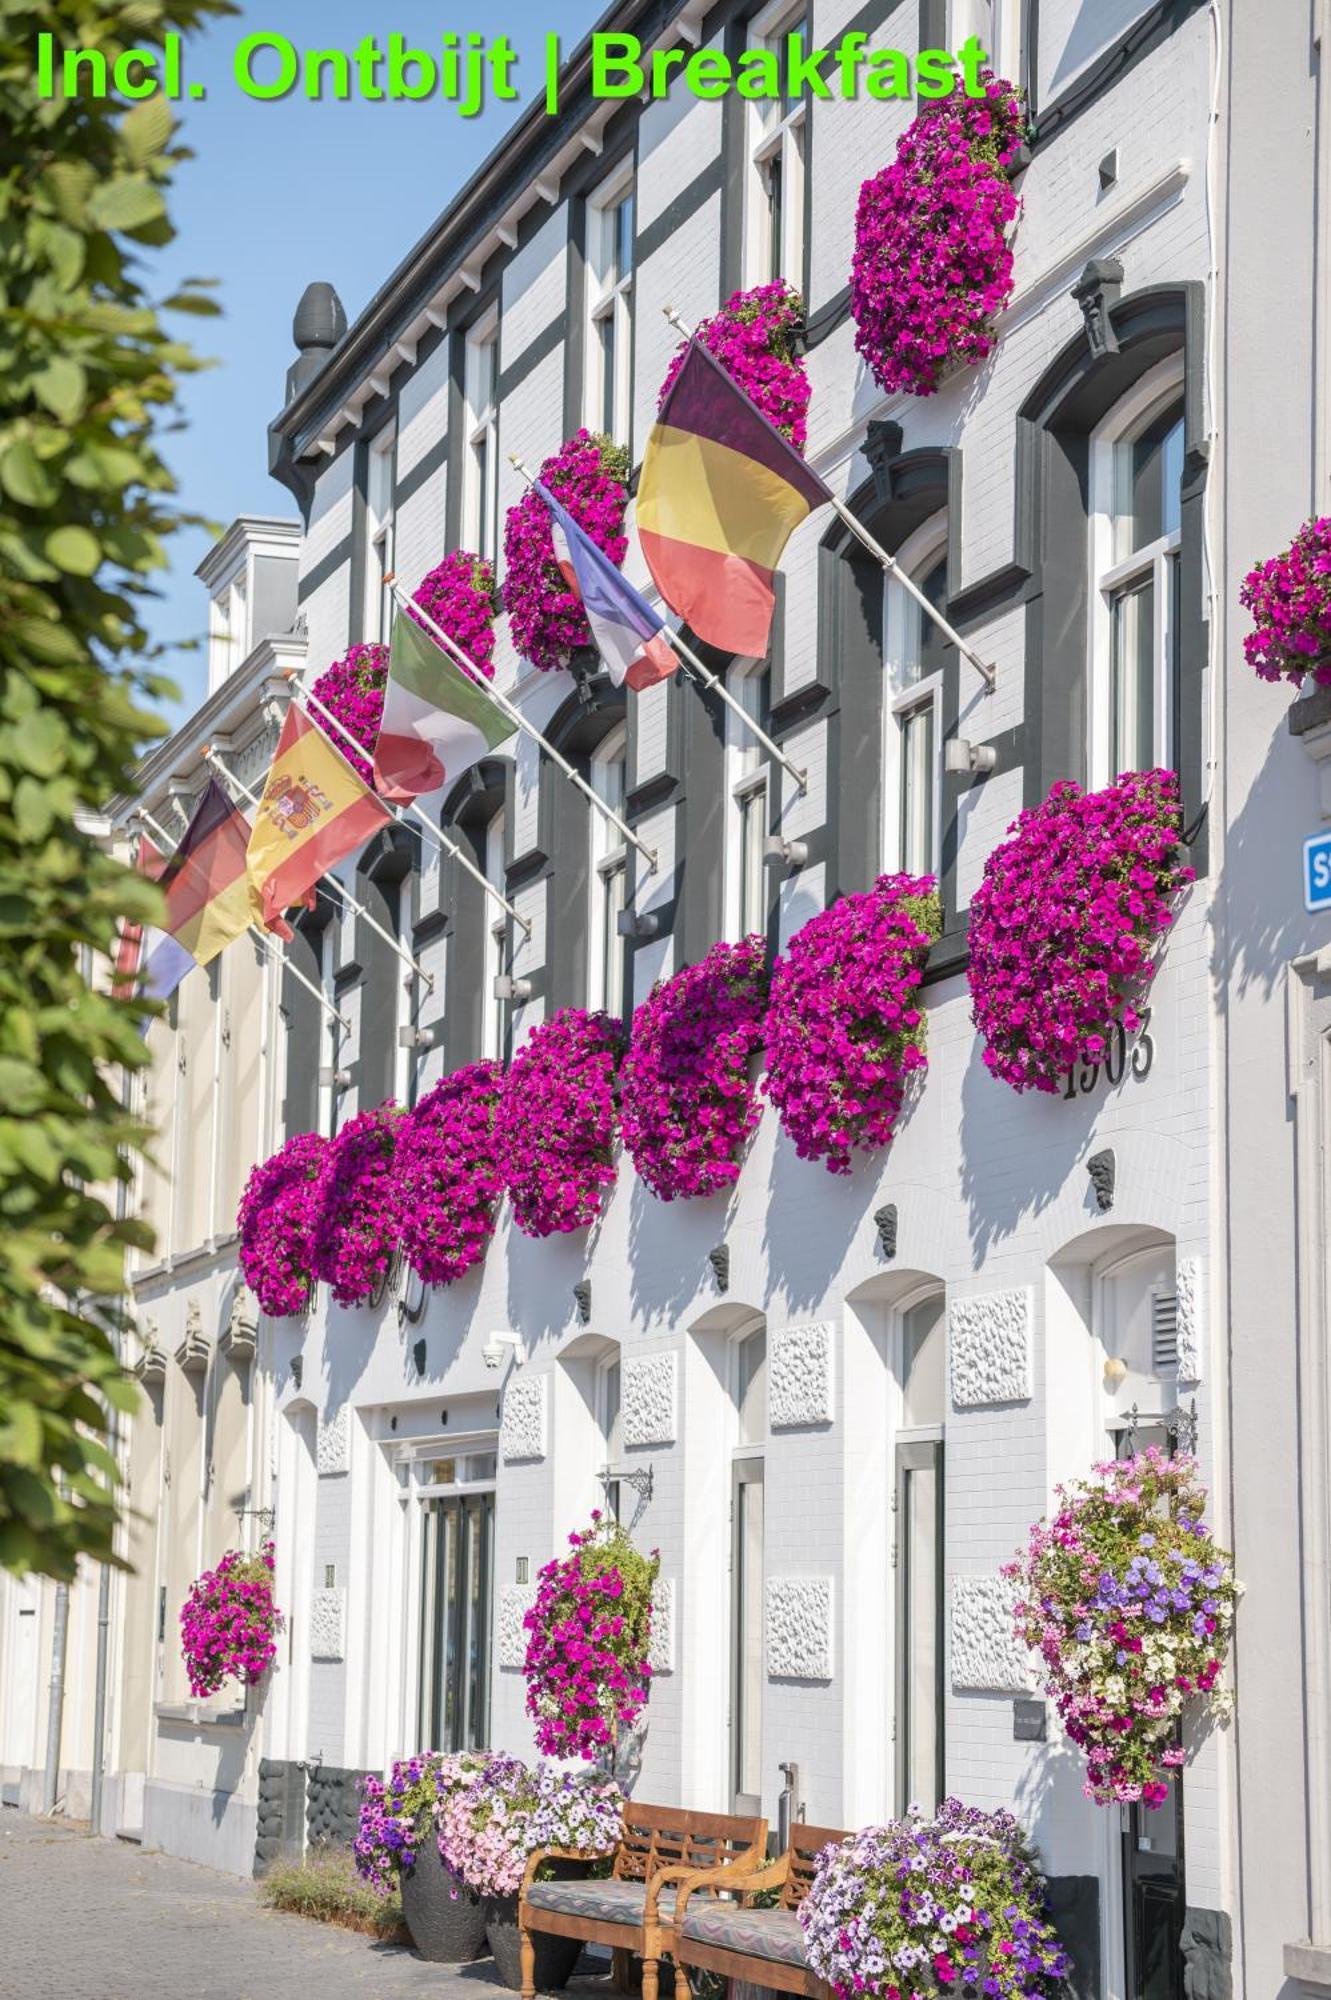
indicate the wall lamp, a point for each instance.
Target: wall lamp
{"x":968,"y":760}
{"x":492,"y":1354}
{"x":782,"y":853}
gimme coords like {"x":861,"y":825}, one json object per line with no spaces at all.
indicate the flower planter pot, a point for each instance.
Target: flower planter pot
{"x":444,"y":1916}
{"x":555,"y":1956}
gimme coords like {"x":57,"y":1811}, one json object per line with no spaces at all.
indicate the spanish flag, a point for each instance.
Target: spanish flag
{"x":721,"y":493}
{"x":314,"y":810}
{"x":207,"y":892}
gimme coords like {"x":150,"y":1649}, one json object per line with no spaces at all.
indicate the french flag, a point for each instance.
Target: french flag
{"x":626,"y":629}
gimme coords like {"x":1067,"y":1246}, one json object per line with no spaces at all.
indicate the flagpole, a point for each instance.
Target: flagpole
{"x":982,"y":667}
{"x":342,"y":889}
{"x":439,"y":839}
{"x":264,"y":939}
{"x":519,"y":721}
{"x":709,"y":679}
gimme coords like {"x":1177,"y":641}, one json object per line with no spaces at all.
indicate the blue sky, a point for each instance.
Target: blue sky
{"x":281,"y":193}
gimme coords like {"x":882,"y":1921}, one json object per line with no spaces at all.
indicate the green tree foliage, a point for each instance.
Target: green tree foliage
{"x":88,"y":378}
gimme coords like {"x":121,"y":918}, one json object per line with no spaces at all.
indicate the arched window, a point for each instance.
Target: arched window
{"x":749,"y":782}
{"x":608,"y":876}
{"x":913,"y":657}
{"x":1136,"y":539}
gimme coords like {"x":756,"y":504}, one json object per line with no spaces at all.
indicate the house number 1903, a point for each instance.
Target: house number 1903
{"x":1117,"y":1062}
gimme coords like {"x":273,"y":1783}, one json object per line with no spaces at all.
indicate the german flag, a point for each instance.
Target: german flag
{"x":207,"y":890}
{"x":314,"y":810}
{"x":721,"y":493}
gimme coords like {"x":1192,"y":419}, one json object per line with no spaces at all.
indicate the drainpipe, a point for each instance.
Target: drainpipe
{"x":55,"y":1714}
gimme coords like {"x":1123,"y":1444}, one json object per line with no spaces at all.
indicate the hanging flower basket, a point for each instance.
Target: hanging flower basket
{"x":1130,"y":1606}
{"x":352,"y":689}
{"x":687,"y":1099}
{"x":845,"y":1033}
{"x":447,"y":1172}
{"x":555,"y":1128}
{"x":459,"y":595}
{"x":589,"y":475}
{"x":356,"y":1209}
{"x":275,"y":1221}
{"x":588,"y":1637}
{"x":1066,"y":923}
{"x":229,"y":1622}
{"x":918,"y":1908}
{"x":756,"y":337}
{"x":932,"y":266}
{"x":1289,"y":597}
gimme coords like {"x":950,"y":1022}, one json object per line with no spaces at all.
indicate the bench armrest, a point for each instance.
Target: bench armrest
{"x":745,"y":1877}
{"x":541,"y":1854}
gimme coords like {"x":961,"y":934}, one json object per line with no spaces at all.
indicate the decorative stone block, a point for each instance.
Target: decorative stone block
{"x":1189,"y":1285}
{"x":986,"y":1652}
{"x":799,"y":1377}
{"x":195,"y":1350}
{"x":241,"y":1335}
{"x":328,"y":1625}
{"x":661,"y":1650}
{"x":522,"y":1431}
{"x":515,"y":1600}
{"x":647,"y":1409}
{"x":332,"y":1452}
{"x":989,"y":1347}
{"x":799,"y":1628}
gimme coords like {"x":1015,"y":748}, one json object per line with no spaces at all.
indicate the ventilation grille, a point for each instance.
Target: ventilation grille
{"x":1164,"y":1332}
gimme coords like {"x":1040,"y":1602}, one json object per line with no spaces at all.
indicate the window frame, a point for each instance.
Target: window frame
{"x":775,"y":130}
{"x":480,"y":397}
{"x":607,"y":875}
{"x":748,"y":1469}
{"x":748,"y":782}
{"x":918,"y":556}
{"x":1112,"y":579}
{"x":967,"y":17}
{"x":380,"y":532}
{"x":916,"y":1448}
{"x":610,"y":296}
{"x":497,"y":1020}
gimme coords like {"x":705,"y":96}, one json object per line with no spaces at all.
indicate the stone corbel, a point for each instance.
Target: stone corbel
{"x":1097,"y":292}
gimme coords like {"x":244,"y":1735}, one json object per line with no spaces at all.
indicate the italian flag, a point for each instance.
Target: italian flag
{"x":437,"y":721}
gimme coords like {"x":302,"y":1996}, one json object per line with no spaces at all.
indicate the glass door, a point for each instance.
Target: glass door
{"x":457,"y":1592}
{"x":746,"y":1692}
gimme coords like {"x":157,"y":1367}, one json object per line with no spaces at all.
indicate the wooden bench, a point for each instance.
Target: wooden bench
{"x":719,"y":1929}
{"x":632,"y":1910}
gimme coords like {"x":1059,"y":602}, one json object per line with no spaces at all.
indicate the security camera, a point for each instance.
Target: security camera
{"x":492,"y":1354}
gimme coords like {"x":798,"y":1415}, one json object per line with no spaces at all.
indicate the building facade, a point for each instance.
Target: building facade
{"x":834,"y":1404}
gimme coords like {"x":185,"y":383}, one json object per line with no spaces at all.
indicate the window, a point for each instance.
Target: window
{"x":498,"y":1039}
{"x":747,"y":1564}
{"x":915,"y":650}
{"x":608,"y":1381}
{"x":228,"y":636}
{"x":774,"y":218}
{"x":379,"y":479}
{"x":996,"y":25}
{"x":918,"y":1553}
{"x":480,"y":499}
{"x":747,"y":887}
{"x":610,"y":226}
{"x":609,"y":883}
{"x":1136,"y":535}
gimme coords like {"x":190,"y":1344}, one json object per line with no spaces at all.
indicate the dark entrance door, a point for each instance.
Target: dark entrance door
{"x":1153,"y":1888}
{"x":1153,"y":1879}
{"x":457,"y":1589}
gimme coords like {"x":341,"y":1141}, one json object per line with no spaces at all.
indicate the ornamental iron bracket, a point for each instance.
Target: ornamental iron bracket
{"x":640,"y":1477}
{"x":1180,"y":1425}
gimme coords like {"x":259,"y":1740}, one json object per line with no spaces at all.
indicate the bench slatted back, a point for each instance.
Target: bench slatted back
{"x":671,"y":1836}
{"x":806,"y":1844}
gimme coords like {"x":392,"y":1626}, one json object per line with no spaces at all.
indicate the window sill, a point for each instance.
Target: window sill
{"x":199,"y":1715}
{"x":1309,"y":1966}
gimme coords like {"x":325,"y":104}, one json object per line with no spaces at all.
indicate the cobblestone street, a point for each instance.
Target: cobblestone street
{"x":84,"y":1919}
